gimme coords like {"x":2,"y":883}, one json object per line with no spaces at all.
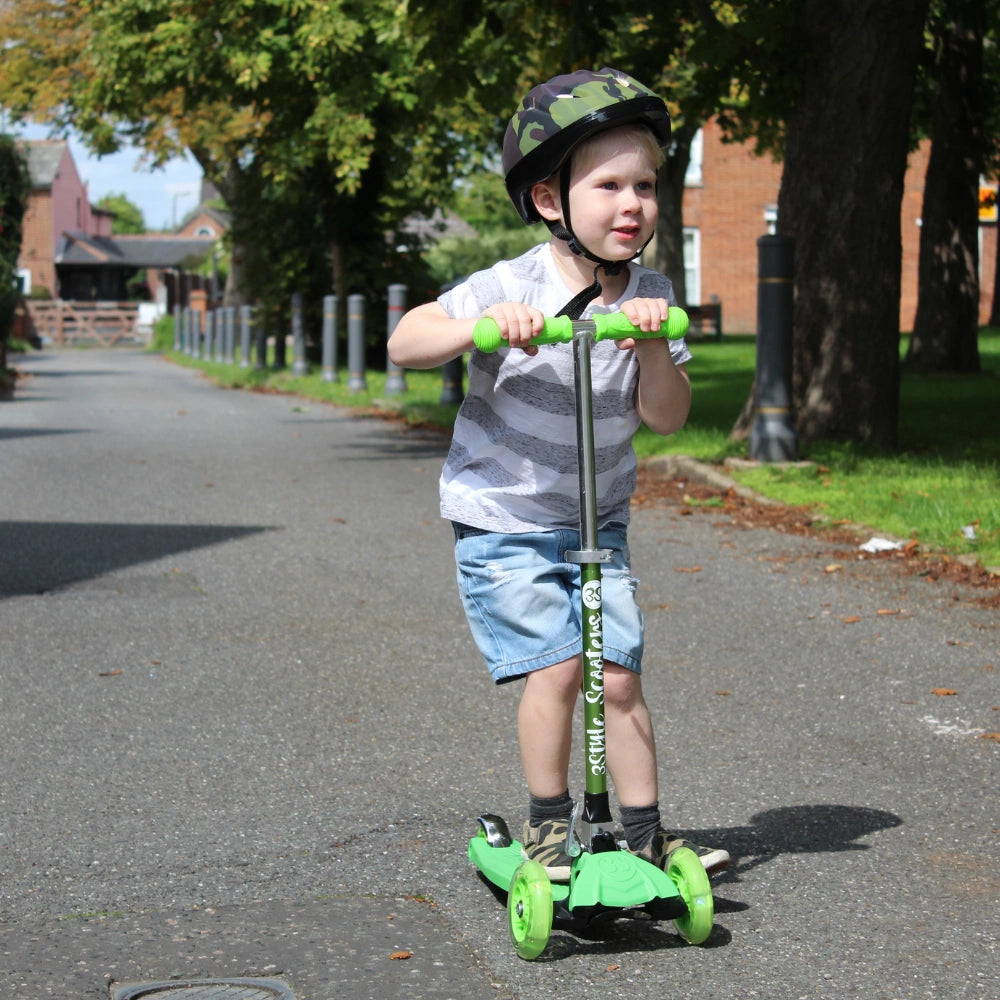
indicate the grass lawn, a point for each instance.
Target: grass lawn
{"x":941,"y":488}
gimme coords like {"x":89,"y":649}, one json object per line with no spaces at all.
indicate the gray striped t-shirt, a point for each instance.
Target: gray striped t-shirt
{"x":512,"y":466}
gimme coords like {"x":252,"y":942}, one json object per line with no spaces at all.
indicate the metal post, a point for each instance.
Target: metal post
{"x":356,"y":381}
{"x":395,"y":378}
{"x":299,"y":364}
{"x":230,"y":348}
{"x":220,"y":334}
{"x":195,"y":334}
{"x":772,"y":436}
{"x":260,"y":361}
{"x":280,"y":345}
{"x":177,"y":328}
{"x":452,"y":374}
{"x":209,"y":333}
{"x":186,"y":330}
{"x":246,"y":328}
{"x":330,"y":339}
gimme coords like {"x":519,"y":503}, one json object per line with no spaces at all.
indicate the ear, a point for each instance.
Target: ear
{"x":545,"y":197}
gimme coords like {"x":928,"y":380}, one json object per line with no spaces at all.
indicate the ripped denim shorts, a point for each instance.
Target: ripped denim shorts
{"x":522,"y":598}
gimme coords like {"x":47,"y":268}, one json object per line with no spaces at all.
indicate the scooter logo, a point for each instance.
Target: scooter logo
{"x":592,"y":594}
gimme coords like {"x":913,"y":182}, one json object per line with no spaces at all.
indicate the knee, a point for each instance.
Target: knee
{"x":622,"y":688}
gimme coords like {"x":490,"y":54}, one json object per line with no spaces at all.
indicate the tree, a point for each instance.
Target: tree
{"x":266,"y":94}
{"x":128,"y":216}
{"x":946,"y":327}
{"x":840,"y":199}
{"x":15,"y":187}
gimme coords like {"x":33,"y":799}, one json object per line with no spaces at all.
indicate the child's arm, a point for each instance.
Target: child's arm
{"x":663,"y":398}
{"x":427,"y":336}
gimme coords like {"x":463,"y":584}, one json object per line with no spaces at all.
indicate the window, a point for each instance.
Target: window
{"x":693,"y":176}
{"x":692,"y":265}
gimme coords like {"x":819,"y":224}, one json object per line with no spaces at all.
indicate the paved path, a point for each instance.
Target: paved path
{"x":244,"y":732}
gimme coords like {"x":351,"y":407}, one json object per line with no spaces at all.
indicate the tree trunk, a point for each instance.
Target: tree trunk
{"x":995,"y":308}
{"x":669,"y":258}
{"x":946,"y":328}
{"x":840,"y":200}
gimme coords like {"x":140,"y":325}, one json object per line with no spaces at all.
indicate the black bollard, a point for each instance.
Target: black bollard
{"x":452,"y":372}
{"x":772,"y":436}
{"x":452,"y":375}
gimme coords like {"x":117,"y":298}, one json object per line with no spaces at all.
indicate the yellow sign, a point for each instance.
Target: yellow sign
{"x":988,"y":201}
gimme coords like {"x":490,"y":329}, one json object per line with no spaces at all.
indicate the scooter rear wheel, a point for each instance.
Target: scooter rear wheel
{"x":691,"y":879}
{"x":529,"y":909}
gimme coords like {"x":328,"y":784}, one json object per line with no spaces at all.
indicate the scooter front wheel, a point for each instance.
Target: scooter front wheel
{"x":684,"y":867}
{"x":529,"y":909}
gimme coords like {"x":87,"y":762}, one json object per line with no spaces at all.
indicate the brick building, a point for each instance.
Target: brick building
{"x":68,"y":251}
{"x":58,"y":204}
{"x":732,"y":199}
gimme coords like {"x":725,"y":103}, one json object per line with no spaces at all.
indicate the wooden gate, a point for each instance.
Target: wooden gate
{"x":103,"y":324}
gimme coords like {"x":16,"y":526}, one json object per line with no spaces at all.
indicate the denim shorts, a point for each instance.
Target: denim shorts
{"x":522,"y":598}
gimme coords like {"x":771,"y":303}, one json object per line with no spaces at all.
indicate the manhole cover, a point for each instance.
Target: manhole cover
{"x":205,"y":989}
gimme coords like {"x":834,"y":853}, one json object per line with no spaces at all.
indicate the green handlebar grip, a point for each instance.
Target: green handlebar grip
{"x":604,"y":326}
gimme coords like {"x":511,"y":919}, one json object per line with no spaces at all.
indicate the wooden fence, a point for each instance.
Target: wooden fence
{"x":97,"y":323}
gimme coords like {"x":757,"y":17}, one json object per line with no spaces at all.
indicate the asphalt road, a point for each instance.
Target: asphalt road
{"x":244,"y":732}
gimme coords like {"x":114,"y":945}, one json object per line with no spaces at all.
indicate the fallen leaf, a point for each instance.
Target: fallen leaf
{"x":887,"y":611}
{"x":611,"y":968}
{"x":990,"y":736}
{"x":400,"y":956}
{"x":851,"y":619}
{"x":943,"y":692}
{"x":109,"y":673}
{"x":687,"y":569}
{"x":723,"y":694}
{"x":833,"y":568}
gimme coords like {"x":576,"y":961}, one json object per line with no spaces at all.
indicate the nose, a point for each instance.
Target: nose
{"x":631,"y":203}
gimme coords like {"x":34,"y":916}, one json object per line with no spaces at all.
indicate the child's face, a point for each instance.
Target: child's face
{"x":612,"y":194}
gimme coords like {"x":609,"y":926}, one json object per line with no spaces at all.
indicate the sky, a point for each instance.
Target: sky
{"x":164,"y":195}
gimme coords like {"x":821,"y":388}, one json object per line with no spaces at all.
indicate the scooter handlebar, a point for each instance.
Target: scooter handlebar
{"x":603,"y":326}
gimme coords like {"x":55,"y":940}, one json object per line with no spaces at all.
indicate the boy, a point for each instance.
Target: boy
{"x":581,"y":154}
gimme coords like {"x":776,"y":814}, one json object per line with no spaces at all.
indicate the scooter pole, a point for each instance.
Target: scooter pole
{"x":582,"y":333}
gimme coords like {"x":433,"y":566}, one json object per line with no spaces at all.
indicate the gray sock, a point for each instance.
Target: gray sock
{"x":542,"y":809}
{"x":640,"y":824}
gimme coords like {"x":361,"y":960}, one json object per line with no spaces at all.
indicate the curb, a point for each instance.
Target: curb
{"x":684,"y":466}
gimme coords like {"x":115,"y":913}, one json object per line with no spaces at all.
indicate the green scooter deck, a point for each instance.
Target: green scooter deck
{"x":610,"y":880}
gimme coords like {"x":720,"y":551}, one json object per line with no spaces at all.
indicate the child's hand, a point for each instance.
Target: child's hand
{"x":647,"y":314}
{"x":518,"y":323}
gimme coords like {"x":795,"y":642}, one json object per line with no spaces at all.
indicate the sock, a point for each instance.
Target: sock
{"x":640,"y":824}
{"x":542,"y":809}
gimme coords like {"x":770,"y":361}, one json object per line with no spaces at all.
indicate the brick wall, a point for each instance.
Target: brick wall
{"x":37,"y":245}
{"x":728,"y":210}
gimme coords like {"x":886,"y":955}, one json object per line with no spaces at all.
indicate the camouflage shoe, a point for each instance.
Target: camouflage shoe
{"x":546,"y":844}
{"x":664,"y":844}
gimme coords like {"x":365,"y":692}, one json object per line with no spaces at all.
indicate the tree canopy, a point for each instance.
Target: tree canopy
{"x":325,"y":125}
{"x":15,"y":186}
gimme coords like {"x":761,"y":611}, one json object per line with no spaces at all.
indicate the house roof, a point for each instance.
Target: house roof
{"x":44,"y":157}
{"x":129,"y":251}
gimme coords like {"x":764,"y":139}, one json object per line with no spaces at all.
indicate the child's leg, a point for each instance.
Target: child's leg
{"x":545,"y":726}
{"x":631,"y":744}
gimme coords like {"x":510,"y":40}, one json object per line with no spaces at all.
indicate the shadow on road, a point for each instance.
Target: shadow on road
{"x":38,"y":556}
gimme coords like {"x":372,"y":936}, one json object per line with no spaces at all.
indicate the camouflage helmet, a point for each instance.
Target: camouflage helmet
{"x":556,"y":116}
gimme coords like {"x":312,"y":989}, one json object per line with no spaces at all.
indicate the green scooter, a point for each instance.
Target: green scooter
{"x":605,"y":880}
